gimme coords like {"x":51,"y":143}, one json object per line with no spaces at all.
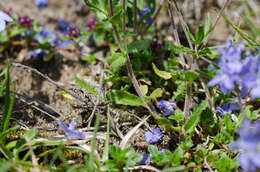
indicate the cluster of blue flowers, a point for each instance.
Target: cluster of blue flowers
{"x":248,"y":144}
{"x":236,"y":70}
{"x":52,"y":38}
{"x":142,"y":13}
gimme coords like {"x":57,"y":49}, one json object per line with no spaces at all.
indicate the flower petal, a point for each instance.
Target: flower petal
{"x":5,"y":17}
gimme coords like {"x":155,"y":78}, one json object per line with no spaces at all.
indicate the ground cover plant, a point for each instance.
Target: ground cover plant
{"x":117,"y":85}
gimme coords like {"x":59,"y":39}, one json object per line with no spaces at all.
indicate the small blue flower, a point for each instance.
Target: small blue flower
{"x":144,"y":11}
{"x":146,"y":159}
{"x":62,"y":44}
{"x":3,"y":19}
{"x":70,"y":131}
{"x":42,"y":3}
{"x":167,"y":107}
{"x":248,"y":144}
{"x":229,"y":107}
{"x":43,"y":34}
{"x":149,"y":20}
{"x":38,"y":53}
{"x":64,"y":25}
{"x":153,"y":137}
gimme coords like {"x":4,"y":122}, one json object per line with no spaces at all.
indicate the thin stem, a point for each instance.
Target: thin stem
{"x":216,"y":21}
{"x":190,"y":63}
{"x":175,"y":32}
{"x":130,"y":68}
{"x":183,"y":24}
{"x":135,"y":18}
{"x":113,"y":26}
{"x":101,"y":83}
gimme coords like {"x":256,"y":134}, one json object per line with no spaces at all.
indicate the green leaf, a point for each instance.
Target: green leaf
{"x":144,"y":89}
{"x":8,"y":104}
{"x":199,"y":35}
{"x":95,"y":7}
{"x":116,"y":18}
{"x":162,"y":121}
{"x":249,"y":39}
{"x":191,"y":76}
{"x":179,"y":116}
{"x":177,"y":49}
{"x":20,"y":144}
{"x":8,"y":131}
{"x":177,"y":156}
{"x":125,"y":98}
{"x":208,"y":25}
{"x":249,"y":113}
{"x":123,"y":157}
{"x":158,"y":92}
{"x":105,"y":5}
{"x":2,"y":73}
{"x":137,"y":46}
{"x":2,"y":88}
{"x":116,"y":61}
{"x":91,"y":58}
{"x":225,"y":164}
{"x":83,"y":84}
{"x":189,"y":33}
{"x":163,"y":74}
{"x":194,"y":119}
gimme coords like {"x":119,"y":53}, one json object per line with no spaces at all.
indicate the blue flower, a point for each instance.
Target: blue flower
{"x":70,"y":131}
{"x":230,"y":67}
{"x":64,"y":25}
{"x":3,"y":19}
{"x":229,"y":107}
{"x":146,"y":159}
{"x":248,"y":144}
{"x":149,"y":20}
{"x":250,"y":78}
{"x":38,"y":53}
{"x":42,"y":3}
{"x":167,"y":107}
{"x":52,"y":38}
{"x":144,"y":11}
{"x":153,"y":137}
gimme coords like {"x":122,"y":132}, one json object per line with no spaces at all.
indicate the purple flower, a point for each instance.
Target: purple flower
{"x":229,"y":107}
{"x":248,"y":144}
{"x":74,"y":32}
{"x":3,"y":19}
{"x":25,"y":21}
{"x":70,"y":131}
{"x":42,"y":3}
{"x":146,"y":159}
{"x":153,"y":137}
{"x":91,"y":24}
{"x":167,"y":107}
